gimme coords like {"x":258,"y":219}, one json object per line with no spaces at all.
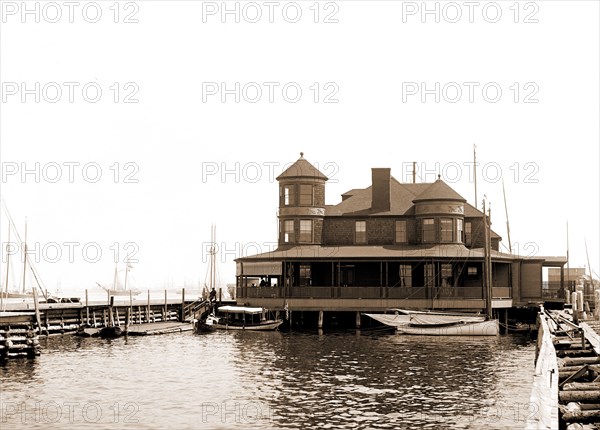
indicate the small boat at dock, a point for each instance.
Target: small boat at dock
{"x":111,"y":332}
{"x":241,"y":318}
{"x":433,"y":323}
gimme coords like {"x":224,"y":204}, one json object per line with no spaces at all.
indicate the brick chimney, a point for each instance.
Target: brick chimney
{"x":380,"y":190}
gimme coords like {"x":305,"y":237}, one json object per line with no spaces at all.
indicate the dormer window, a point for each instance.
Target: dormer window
{"x":459,"y":230}
{"x":428,"y":230}
{"x":306,"y":195}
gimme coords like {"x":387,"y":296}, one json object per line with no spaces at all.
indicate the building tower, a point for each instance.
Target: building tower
{"x":301,"y":204}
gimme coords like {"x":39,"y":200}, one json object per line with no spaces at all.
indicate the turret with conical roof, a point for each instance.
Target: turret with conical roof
{"x":301,"y":203}
{"x":440,"y":214}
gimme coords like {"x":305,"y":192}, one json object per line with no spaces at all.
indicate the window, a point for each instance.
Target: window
{"x":459,"y":230}
{"x":446,"y":230}
{"x":305,"y":276}
{"x":468,"y":235}
{"x":429,"y":275}
{"x":288,"y":195}
{"x":401,"y":231}
{"x":472,"y":271}
{"x":447,"y":280}
{"x":360,"y":232}
{"x":405,"y":275}
{"x":305,"y":231}
{"x":288,"y":231}
{"x":306,"y":195}
{"x":428,"y":230}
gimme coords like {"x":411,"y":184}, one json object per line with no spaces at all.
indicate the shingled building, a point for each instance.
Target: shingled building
{"x":392,"y":244}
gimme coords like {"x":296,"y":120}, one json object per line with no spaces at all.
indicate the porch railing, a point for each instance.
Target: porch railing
{"x":315,"y":292}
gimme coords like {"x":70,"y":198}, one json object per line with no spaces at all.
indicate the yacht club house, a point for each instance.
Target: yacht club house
{"x":390,"y":245}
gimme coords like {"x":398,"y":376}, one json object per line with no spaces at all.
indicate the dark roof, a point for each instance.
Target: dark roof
{"x":402,"y":196}
{"x":351,"y":192}
{"x":359,"y":202}
{"x":302,"y":169}
{"x":317,"y":252}
{"x":439,"y":190}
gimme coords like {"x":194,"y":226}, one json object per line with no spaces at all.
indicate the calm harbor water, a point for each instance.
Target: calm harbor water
{"x":242,"y":380}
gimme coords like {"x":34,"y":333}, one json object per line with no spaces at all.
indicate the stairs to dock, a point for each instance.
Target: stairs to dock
{"x":196,"y":310}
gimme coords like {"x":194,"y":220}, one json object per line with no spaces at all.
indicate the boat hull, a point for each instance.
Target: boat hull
{"x":15,"y":295}
{"x":264,"y":325}
{"x":123,"y":292}
{"x":111,"y":332}
{"x":485,"y":328}
{"x":439,"y":324}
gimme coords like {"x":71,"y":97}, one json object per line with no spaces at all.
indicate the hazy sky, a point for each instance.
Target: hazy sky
{"x":140,"y":133}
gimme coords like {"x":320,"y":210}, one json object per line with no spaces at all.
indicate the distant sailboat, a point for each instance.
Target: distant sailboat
{"x":15,"y":292}
{"x":24,"y":292}
{"x":118,"y":288}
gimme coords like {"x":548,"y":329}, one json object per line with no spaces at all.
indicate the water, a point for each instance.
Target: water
{"x":250,"y":380}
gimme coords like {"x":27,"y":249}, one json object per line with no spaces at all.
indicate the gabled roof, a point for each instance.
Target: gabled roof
{"x":302,"y":169}
{"x":359,"y":200}
{"x":439,"y":190}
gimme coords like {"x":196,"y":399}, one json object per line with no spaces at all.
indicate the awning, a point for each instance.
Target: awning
{"x":240,"y":310}
{"x":259,"y":268}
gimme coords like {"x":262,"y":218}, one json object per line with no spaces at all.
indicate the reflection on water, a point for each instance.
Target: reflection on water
{"x":271,"y":380}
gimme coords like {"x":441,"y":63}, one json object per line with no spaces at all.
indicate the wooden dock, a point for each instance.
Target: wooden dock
{"x":22,"y":323}
{"x":17,"y":335}
{"x":566,"y":387}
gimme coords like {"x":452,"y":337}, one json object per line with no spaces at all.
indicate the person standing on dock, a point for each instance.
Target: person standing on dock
{"x":213,"y":295}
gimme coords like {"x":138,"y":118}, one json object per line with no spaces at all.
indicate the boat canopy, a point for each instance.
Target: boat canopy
{"x":240,"y":310}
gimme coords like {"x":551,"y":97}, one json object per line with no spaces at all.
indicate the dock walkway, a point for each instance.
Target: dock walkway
{"x":566,"y":387}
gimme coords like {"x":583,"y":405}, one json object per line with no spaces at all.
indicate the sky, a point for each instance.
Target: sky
{"x":131,"y":127}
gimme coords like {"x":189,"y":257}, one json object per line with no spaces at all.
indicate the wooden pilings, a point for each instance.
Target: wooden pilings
{"x":577,"y":373}
{"x":18,"y":336}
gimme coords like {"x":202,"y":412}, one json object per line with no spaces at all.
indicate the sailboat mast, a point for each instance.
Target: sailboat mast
{"x":126,"y":273}
{"x":213,"y":253}
{"x":489,"y":254}
{"x":2,"y":296}
{"x":25,"y":255}
{"x":486,"y":265}
{"x":115,"y":278}
{"x":475,"y":173}
{"x":507,"y":224}
{"x":568,"y":270}
{"x":588,"y":261}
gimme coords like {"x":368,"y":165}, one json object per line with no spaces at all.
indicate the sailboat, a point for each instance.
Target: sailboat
{"x":435,"y":323}
{"x":14,"y":293}
{"x":24,"y":292}
{"x":119,"y":289}
{"x":208,"y":323}
{"x":438,"y":323}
